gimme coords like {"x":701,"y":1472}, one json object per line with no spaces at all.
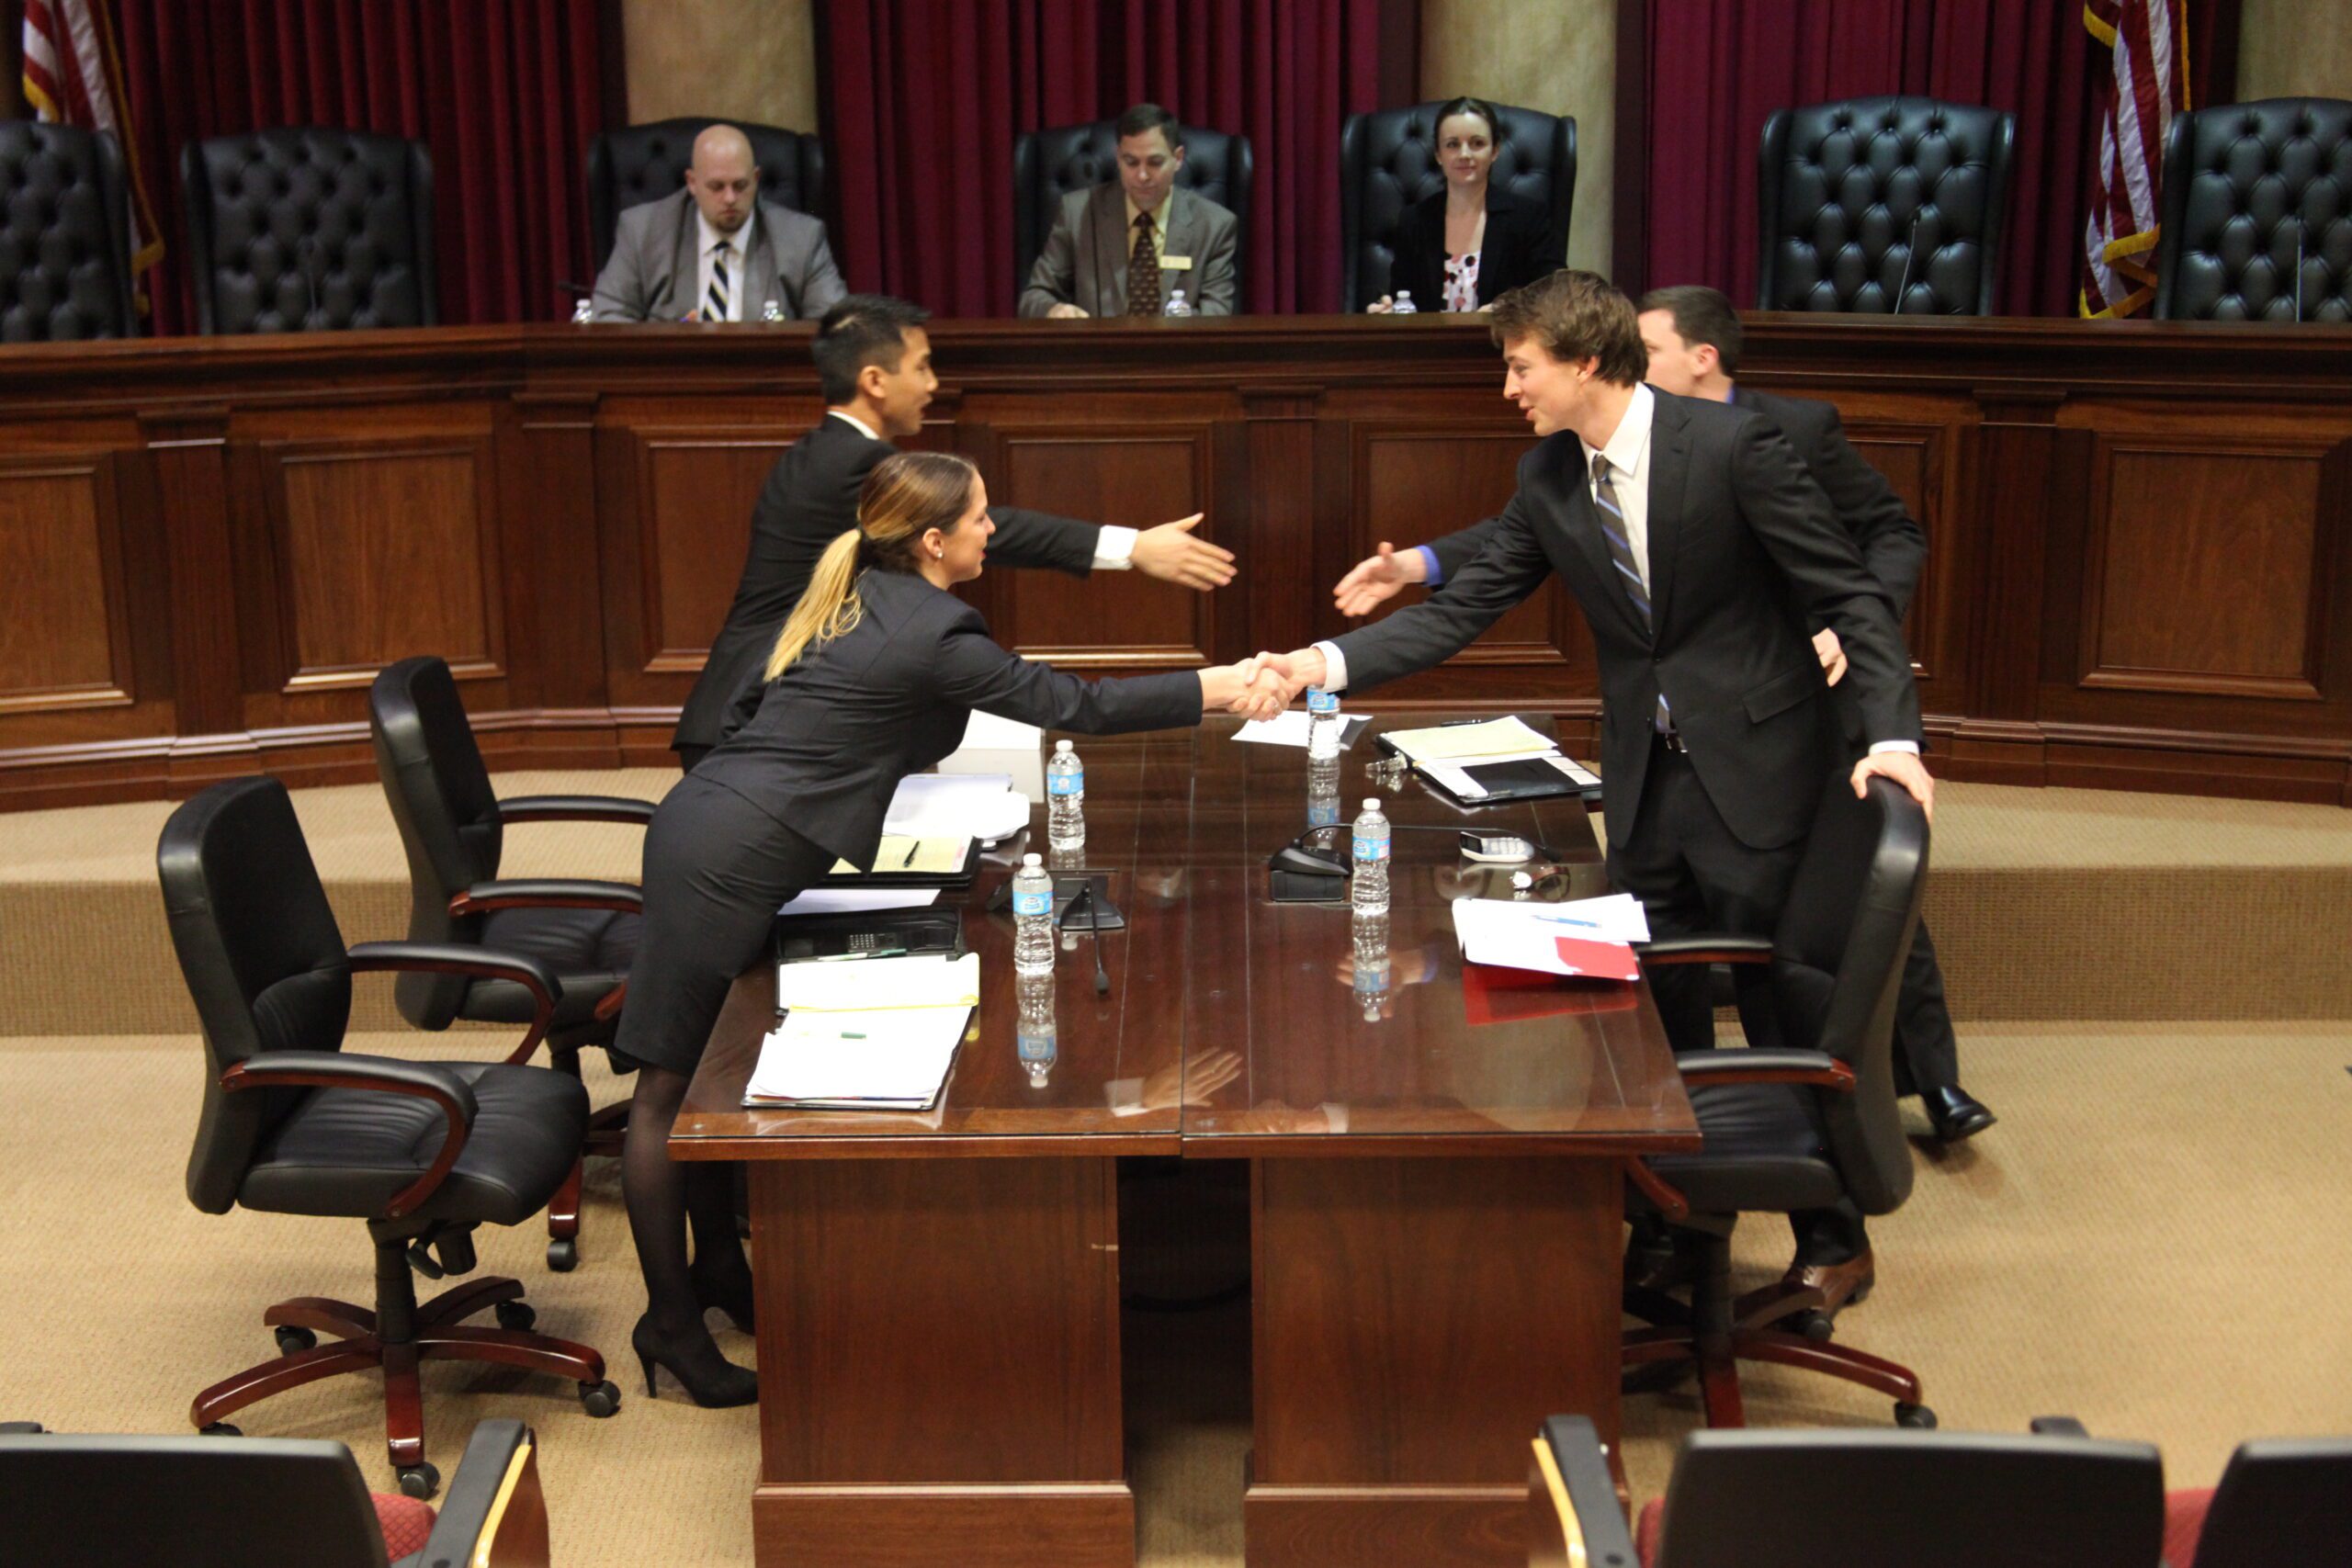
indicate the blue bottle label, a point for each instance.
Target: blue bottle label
{"x":1066,"y":783}
{"x":1371,"y":848}
{"x":1321,"y":701}
{"x":1040,"y":903}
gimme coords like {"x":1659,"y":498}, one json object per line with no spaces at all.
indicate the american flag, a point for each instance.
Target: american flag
{"x":72,"y":76}
{"x":2149,"y":41}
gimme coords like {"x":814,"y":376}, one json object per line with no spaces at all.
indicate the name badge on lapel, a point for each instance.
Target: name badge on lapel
{"x":1177,"y":263}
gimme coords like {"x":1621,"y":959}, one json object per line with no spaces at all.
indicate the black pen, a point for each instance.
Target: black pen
{"x":911,"y":848}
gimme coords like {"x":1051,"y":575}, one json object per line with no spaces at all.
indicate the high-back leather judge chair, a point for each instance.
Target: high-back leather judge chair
{"x":1388,"y":162}
{"x":1891,"y":204}
{"x":646,"y":162}
{"x":310,"y":229}
{"x":64,"y":235}
{"x":1790,"y":1130}
{"x":263,"y":1503}
{"x":2280,"y":1500}
{"x":1049,"y":164}
{"x":452,"y":826}
{"x":2257,"y":213}
{"x":1797,"y":1499}
{"x":295,"y":1125}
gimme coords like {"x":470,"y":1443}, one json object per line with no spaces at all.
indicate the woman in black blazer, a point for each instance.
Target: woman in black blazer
{"x":872,"y":679}
{"x":1468,"y":244}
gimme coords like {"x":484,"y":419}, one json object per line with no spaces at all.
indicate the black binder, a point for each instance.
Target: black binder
{"x":1527,"y":778}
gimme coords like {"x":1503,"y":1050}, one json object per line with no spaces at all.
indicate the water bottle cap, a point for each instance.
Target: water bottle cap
{"x":1061,"y":744}
{"x":1033,"y":860}
{"x":1372,"y":803}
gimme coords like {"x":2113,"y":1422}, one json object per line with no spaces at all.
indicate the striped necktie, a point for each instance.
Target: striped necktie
{"x":1143,"y":270}
{"x":1629,"y":572}
{"x":714,"y":303}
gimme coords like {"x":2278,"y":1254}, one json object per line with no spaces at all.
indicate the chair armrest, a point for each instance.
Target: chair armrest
{"x":1817,"y":1068}
{"x":483,"y":964}
{"x":20,"y":1428}
{"x":548,"y":893}
{"x":575,"y":808}
{"x":1575,"y":1515}
{"x":2057,"y":1426}
{"x":1710,"y":947}
{"x":382,"y":1074}
{"x":494,"y":1502}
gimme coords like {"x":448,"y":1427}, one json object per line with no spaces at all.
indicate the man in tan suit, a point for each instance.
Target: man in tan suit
{"x":1121,"y":249}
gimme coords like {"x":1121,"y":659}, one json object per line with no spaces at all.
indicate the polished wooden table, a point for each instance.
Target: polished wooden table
{"x":1436,"y":1203}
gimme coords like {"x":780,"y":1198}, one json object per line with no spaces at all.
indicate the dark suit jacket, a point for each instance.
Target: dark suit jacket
{"x":1742,"y":548}
{"x":1894,"y":545}
{"x":1084,"y":262}
{"x":1519,"y":247}
{"x":810,"y":499}
{"x":822,"y":747}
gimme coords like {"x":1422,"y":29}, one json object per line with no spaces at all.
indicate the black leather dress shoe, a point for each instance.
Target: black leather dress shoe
{"x":1956,"y":1114}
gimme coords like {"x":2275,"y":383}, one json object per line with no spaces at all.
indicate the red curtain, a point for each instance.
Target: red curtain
{"x":923,"y":98}
{"x":505,"y":92}
{"x":1715,"y":70}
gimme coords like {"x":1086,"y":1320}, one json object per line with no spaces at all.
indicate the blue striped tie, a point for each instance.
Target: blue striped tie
{"x":715,"y":307}
{"x":1621,"y":556}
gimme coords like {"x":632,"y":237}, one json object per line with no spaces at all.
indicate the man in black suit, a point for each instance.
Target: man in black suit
{"x":873,"y":364}
{"x":1697,"y":547}
{"x":1693,"y":341}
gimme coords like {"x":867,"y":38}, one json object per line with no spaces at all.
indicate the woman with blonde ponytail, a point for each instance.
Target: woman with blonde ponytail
{"x":872,"y":679}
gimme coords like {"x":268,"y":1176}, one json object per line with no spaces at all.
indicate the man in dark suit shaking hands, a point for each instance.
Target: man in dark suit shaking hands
{"x":874,"y":365}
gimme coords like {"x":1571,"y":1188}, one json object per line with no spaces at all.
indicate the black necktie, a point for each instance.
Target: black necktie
{"x":1143,"y":270}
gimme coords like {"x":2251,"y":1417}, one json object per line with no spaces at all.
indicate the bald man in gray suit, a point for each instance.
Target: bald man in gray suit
{"x":713,"y":251}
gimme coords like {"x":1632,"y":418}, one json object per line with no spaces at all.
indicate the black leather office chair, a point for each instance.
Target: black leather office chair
{"x":452,"y":825}
{"x":1049,"y":164}
{"x":73,"y":1499}
{"x":423,"y":1151}
{"x":2257,"y":213}
{"x":1388,"y":162}
{"x":1856,"y":1499}
{"x":646,"y":162}
{"x":1789,"y":1130}
{"x":64,"y":235}
{"x":2282,"y":1500}
{"x":309,"y":230}
{"x":1881,"y":204}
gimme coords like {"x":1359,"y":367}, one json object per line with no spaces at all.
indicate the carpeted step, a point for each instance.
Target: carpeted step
{"x":2045,"y":904}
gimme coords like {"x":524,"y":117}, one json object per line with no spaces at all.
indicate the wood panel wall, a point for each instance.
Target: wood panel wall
{"x":2139,"y":575}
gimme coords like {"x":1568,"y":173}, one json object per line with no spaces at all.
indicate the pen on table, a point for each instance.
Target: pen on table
{"x":1569,"y":921}
{"x":852,"y":1035}
{"x":911,"y":848}
{"x":866,"y":952}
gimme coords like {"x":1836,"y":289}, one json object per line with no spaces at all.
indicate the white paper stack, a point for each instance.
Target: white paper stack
{"x":957,"y":806}
{"x":1586,"y":937}
{"x":1503,"y":740}
{"x":867,"y":1034}
{"x":993,"y":745}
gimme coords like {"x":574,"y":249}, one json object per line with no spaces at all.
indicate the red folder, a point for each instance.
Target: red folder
{"x":1491,"y":994}
{"x":1598,"y":960}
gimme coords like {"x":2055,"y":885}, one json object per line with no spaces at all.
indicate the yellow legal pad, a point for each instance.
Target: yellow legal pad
{"x":911,"y":857}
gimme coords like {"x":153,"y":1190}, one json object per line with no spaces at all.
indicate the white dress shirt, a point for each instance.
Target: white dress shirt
{"x":1114,"y":548}
{"x":1628,"y":451}
{"x":740,"y":243}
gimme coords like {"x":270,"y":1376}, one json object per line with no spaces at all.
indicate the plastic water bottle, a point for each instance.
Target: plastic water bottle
{"x":1404,"y":305}
{"x":1323,"y":795}
{"x":1368,"y":888}
{"x":1065,"y":799}
{"x":770,"y":311}
{"x":1039,"y":1045}
{"x":1033,"y":918}
{"x":1177,"y":304}
{"x":1324,"y":724}
{"x":1369,"y":940}
{"x":583,"y":310}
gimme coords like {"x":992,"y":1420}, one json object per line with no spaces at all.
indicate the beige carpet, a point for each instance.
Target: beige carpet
{"x":2045,"y":903}
{"x":2157,"y":1238}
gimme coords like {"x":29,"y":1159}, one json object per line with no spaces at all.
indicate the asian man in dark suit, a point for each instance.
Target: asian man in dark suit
{"x":1123,"y":248}
{"x":1699,"y":550}
{"x":1693,"y":341}
{"x":713,"y":251}
{"x":873,"y":364}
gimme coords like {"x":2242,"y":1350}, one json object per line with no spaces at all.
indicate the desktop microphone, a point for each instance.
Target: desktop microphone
{"x":1094,"y":939}
{"x":306,"y":256}
{"x":1910,"y":253}
{"x":2301,"y":230}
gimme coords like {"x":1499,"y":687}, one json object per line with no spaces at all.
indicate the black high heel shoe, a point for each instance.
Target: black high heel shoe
{"x":726,"y":1285}
{"x":710,"y":1379}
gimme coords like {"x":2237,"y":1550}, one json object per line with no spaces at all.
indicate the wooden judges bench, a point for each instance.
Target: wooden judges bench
{"x":2139,"y":575}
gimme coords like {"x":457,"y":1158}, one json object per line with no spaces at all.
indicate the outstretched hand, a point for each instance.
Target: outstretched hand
{"x":1173,"y":554}
{"x":1374,"y":580}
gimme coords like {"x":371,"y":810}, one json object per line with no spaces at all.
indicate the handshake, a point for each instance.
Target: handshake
{"x":1262,"y":686}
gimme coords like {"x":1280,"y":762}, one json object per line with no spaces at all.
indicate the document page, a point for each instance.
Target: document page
{"x":904,"y":852}
{"x":1490,"y":742}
